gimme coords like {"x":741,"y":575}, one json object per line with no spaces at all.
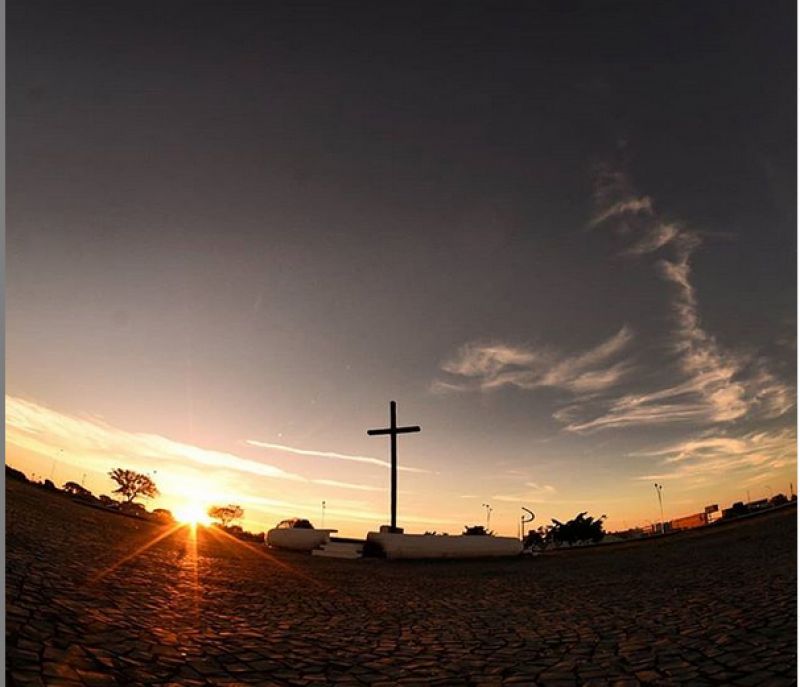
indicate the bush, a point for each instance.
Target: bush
{"x":538,"y":538}
{"x":133,"y":508}
{"x":163,"y":515}
{"x":13,"y":473}
{"x":580,"y":529}
{"x":477,"y":531}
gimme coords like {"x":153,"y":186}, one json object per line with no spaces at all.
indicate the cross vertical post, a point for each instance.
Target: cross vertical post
{"x":393,"y":425}
{"x":393,"y":430}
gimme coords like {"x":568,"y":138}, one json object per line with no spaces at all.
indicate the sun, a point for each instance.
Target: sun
{"x":193,"y":513}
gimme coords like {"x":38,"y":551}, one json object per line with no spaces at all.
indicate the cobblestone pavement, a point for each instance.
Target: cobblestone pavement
{"x":710,"y":608}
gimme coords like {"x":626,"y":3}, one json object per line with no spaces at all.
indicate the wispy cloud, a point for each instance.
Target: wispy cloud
{"x":715,"y":385}
{"x":546,"y":488}
{"x":709,"y":456}
{"x":44,"y":430}
{"x":627,"y":206}
{"x":487,"y":366}
{"x":370,"y":460}
{"x":542,"y":493}
{"x":94,"y":444}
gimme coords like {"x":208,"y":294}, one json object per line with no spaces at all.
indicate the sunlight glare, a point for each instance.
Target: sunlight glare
{"x":193,"y":513}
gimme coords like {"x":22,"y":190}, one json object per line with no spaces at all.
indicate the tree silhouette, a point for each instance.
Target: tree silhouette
{"x":226,"y":514}
{"x":778,"y":500}
{"x":538,"y":538}
{"x":133,"y":484}
{"x":580,"y":528}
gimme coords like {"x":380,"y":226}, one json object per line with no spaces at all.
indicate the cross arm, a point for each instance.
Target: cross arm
{"x":395,"y":430}
{"x":406,"y":430}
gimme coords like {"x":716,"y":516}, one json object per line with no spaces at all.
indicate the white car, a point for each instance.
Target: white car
{"x":297,"y":534}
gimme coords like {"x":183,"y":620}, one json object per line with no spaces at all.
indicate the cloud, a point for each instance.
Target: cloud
{"x":92,"y":443}
{"x":534,"y":492}
{"x":709,"y":456}
{"x":624,"y":207}
{"x":716,"y":385}
{"x":487,"y":366}
{"x":99,"y":444}
{"x":548,"y":488}
{"x":658,"y":237}
{"x":330,"y":454}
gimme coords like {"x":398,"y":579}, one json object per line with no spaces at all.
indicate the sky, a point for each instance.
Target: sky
{"x":561,"y":235}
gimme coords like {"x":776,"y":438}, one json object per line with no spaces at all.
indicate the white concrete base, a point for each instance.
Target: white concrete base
{"x":444,"y":546}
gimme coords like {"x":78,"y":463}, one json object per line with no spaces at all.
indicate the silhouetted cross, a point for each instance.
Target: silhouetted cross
{"x":393,"y":430}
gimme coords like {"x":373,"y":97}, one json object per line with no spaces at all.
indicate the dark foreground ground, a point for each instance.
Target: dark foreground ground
{"x":705,"y":608}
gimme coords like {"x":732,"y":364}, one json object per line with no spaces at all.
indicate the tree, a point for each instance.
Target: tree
{"x":77,"y":490}
{"x":778,"y":500}
{"x":133,"y":484}
{"x":477,"y":531}
{"x":538,"y":538}
{"x":226,"y":514}
{"x":579,"y":529}
{"x":13,"y":473}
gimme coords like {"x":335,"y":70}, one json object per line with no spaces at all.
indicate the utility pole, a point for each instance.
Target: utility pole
{"x":488,"y":514}
{"x":659,"y":488}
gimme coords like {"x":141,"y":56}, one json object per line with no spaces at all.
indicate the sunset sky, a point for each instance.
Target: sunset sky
{"x":561,"y":235}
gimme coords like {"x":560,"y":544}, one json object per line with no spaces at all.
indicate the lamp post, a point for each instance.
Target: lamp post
{"x":659,"y":488}
{"x":525,"y":519}
{"x":323,"y":515}
{"x":488,"y":514}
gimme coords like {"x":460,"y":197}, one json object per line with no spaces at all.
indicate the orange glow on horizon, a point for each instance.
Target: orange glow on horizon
{"x":192,"y":513}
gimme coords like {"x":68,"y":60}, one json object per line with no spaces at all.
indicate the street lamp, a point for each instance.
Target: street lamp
{"x":488,"y":514}
{"x":659,"y":487}
{"x":323,"y":515}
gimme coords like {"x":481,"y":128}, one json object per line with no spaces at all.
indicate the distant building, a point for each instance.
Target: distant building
{"x":736,"y":510}
{"x":689,"y":522}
